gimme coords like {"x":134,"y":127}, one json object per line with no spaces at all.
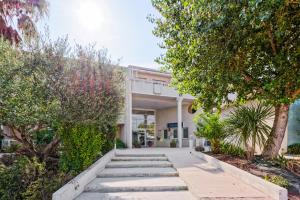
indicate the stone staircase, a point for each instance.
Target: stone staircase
{"x":137,"y":176}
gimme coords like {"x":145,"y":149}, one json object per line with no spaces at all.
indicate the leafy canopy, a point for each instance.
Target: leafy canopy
{"x":214,"y":48}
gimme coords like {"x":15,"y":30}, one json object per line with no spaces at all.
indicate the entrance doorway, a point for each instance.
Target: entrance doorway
{"x":143,"y":128}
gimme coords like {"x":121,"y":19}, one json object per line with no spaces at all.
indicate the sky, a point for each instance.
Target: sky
{"x":120,"y":26}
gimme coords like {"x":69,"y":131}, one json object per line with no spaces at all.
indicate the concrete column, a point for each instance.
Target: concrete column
{"x":128,"y":110}
{"x":179,"y":120}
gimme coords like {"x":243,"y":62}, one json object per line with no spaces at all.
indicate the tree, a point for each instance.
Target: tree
{"x":28,"y":93}
{"x":91,"y":101}
{"x":18,"y":18}
{"x":212,"y":128}
{"x":249,"y":127}
{"x":250,"y":48}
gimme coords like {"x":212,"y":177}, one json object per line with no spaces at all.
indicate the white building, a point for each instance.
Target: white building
{"x":154,"y":111}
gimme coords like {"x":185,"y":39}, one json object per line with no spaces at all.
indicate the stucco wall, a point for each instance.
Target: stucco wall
{"x":169,"y":115}
{"x":226,"y":113}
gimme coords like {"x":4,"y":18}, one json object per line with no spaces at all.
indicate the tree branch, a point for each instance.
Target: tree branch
{"x":52,"y":145}
{"x":272,"y":40}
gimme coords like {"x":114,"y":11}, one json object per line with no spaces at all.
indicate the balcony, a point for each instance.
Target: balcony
{"x":147,"y":87}
{"x":141,"y":86}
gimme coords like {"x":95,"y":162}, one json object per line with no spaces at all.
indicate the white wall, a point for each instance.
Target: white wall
{"x":169,"y":115}
{"x":226,"y":113}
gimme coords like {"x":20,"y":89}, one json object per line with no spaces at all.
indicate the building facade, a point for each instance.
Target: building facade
{"x":155,"y":114}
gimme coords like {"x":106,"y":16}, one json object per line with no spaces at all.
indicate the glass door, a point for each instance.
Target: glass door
{"x":143,"y":128}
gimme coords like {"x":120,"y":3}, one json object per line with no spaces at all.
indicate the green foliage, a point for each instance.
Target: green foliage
{"x":120,"y":144}
{"x":173,"y":143}
{"x":278,"y":180}
{"x":29,"y":102}
{"x":249,"y":48}
{"x":217,"y":47}
{"x":81,"y":145}
{"x":230,"y":149}
{"x":212,"y":128}
{"x":280,"y":161}
{"x":12,"y":148}
{"x":136,"y":144}
{"x":248,"y":126}
{"x":294,"y":149}
{"x":28,"y":179}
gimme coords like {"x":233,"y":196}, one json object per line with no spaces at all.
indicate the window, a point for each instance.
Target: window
{"x":166,"y":134}
{"x":175,"y":133}
{"x":186,"y":132}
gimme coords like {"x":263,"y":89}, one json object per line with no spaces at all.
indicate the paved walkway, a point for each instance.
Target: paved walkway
{"x":153,"y":174}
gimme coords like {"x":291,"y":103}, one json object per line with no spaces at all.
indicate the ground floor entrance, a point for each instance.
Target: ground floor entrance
{"x":143,"y":128}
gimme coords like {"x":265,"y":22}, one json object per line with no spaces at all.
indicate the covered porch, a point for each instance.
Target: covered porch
{"x":159,"y":121}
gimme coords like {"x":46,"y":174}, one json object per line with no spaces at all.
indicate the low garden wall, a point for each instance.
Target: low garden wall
{"x":76,"y":186}
{"x":274,"y":191}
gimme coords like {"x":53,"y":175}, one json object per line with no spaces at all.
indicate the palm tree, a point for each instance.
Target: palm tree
{"x":211,"y":127}
{"x":248,"y":126}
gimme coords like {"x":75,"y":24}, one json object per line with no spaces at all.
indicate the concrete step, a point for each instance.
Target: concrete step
{"x":135,"y":184}
{"x":175,"y":195}
{"x":138,"y":172}
{"x":130,"y":164}
{"x":123,"y":158}
{"x":139,"y":155}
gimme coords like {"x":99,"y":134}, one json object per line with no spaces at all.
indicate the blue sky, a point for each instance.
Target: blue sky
{"x":118,"y":25}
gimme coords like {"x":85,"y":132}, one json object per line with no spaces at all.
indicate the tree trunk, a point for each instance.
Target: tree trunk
{"x":274,"y":142}
{"x":50,"y":147}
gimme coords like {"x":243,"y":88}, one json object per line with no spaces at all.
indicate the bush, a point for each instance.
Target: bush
{"x":212,"y":128}
{"x":120,"y":144}
{"x":280,"y":161}
{"x":294,"y":148}
{"x":28,"y":179}
{"x":136,"y":144}
{"x":12,"y":148}
{"x":173,"y":143}
{"x":199,"y":148}
{"x":81,"y":145}
{"x":248,"y":126}
{"x":278,"y":180}
{"x":230,"y":149}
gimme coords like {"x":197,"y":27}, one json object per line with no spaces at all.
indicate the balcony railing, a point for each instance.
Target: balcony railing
{"x":141,"y":86}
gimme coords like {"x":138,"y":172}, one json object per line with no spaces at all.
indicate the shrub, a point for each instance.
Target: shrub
{"x":12,"y":148}
{"x":28,"y":179}
{"x":212,"y":128}
{"x":120,"y":144}
{"x":199,"y":148}
{"x":136,"y":144}
{"x":278,"y":180}
{"x":248,"y":126}
{"x":173,"y":143}
{"x":280,"y":161}
{"x":230,"y":149}
{"x":81,"y":145}
{"x":294,"y":148}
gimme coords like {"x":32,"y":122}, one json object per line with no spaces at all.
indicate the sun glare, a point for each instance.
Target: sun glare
{"x":90,"y":14}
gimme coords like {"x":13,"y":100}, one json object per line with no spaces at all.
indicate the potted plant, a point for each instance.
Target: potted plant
{"x":173,"y":144}
{"x":136,"y":144}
